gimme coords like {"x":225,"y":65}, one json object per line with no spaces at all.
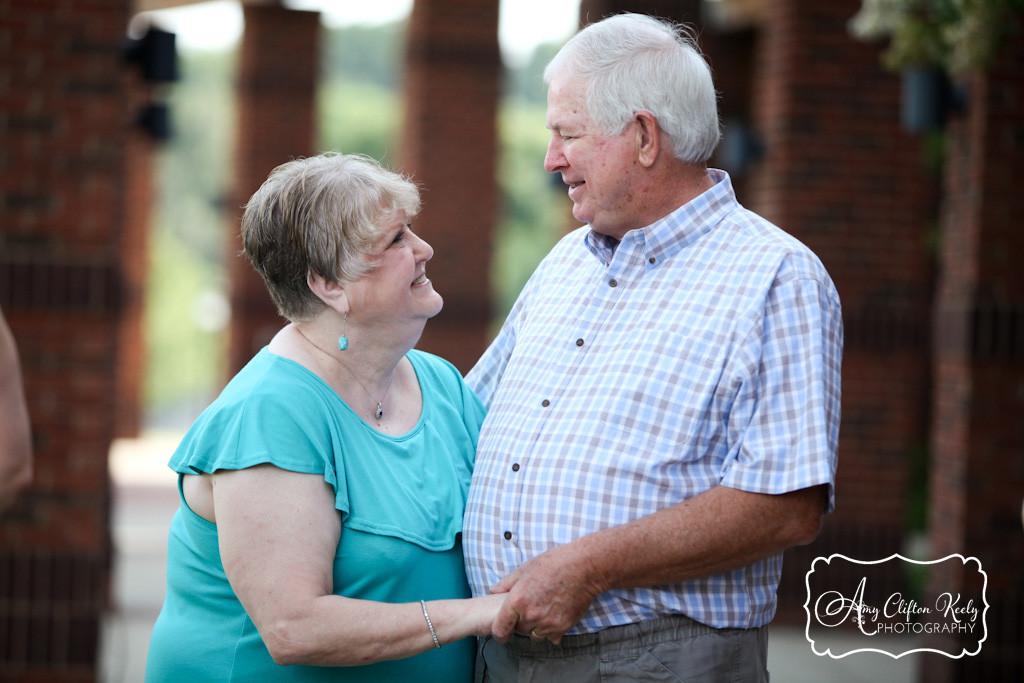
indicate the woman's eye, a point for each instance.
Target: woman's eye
{"x":399,"y":237}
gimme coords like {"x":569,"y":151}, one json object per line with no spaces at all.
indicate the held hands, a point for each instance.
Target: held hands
{"x":546,"y":597}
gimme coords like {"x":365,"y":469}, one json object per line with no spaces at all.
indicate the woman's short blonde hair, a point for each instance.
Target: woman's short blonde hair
{"x":320,"y":215}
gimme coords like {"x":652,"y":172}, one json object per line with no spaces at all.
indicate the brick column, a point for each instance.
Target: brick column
{"x":276,"y":103}
{"x":840,"y":175}
{"x":131,"y":362}
{"x":977,"y":478}
{"x":66,"y":125}
{"x":452,"y":75}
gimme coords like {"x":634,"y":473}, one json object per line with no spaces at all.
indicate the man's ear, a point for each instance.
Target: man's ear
{"x":331,"y":292}
{"x":648,"y":138}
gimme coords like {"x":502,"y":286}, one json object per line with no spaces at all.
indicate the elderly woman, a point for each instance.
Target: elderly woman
{"x":322,"y":492}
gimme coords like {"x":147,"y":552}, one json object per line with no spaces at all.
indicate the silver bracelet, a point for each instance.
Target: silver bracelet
{"x":433,"y":634}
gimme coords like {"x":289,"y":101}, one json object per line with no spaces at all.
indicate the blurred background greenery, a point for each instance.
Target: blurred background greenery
{"x":359,"y":110}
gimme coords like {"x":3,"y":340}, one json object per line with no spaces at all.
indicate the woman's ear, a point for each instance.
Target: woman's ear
{"x":331,"y":292}
{"x":648,"y":138}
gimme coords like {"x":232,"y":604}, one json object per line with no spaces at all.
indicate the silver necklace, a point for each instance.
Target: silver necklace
{"x":379,"y":413}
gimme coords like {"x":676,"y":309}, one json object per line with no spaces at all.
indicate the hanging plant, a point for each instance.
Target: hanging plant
{"x":956,"y":36}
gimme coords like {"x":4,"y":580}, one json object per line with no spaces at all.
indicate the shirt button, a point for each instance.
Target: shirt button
{"x":579,"y":342}
{"x":613,"y":283}
{"x":652,"y":259}
{"x":515,"y":467}
{"x":508,"y":535}
{"x":545,"y":403}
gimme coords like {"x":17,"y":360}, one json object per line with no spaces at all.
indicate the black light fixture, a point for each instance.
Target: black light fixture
{"x":740,"y":148}
{"x":927,"y":98}
{"x":155,"y":119}
{"x":156,"y":54}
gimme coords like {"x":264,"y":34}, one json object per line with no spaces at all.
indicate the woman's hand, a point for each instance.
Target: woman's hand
{"x":484,"y":611}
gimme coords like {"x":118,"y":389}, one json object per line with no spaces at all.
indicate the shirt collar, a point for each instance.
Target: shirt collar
{"x":666,"y":236}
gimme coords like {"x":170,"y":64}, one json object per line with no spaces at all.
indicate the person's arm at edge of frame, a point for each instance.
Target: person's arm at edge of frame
{"x":714,"y":532}
{"x":278,"y":534}
{"x":15,"y":431}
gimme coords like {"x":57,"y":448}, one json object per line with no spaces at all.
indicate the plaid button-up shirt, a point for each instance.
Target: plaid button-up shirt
{"x":704,"y":349}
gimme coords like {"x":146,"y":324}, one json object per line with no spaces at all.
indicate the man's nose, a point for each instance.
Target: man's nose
{"x":554,"y":159}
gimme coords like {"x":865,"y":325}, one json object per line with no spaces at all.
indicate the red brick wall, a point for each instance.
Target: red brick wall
{"x":131,"y":361}
{"x":449,"y":144}
{"x":65,"y":127}
{"x":840,"y":175}
{"x":978,"y":437}
{"x":276,"y":105}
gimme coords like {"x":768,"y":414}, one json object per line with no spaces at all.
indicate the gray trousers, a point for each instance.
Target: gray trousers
{"x":668,"y":649}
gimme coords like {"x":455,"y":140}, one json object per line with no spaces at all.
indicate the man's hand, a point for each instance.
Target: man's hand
{"x":547,"y":596}
{"x":713,"y":532}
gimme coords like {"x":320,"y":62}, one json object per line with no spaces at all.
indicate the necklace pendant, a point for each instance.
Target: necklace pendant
{"x":379,"y":414}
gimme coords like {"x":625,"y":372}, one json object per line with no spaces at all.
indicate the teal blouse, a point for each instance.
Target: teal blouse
{"x":401,"y":501}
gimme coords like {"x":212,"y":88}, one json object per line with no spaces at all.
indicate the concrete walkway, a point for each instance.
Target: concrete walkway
{"x":146,"y":497}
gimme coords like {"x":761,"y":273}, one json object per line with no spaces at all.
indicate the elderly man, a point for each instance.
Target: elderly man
{"x":663,"y":399}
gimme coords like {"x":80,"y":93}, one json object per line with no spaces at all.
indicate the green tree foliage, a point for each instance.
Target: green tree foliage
{"x":526,"y":84}
{"x":364,"y":54}
{"x":194,"y":166}
{"x":358,"y":117}
{"x":185,"y":346}
{"x":533,"y":213}
{"x":956,"y":35}
{"x":188,"y":240}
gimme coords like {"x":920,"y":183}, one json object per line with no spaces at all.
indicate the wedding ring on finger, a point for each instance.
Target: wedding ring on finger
{"x":534,"y":636}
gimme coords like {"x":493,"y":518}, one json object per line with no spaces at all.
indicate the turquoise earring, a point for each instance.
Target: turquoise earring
{"x":343,"y":340}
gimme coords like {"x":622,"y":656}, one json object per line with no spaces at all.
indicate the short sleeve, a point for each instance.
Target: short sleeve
{"x":270,"y":418}
{"x":784,"y":424}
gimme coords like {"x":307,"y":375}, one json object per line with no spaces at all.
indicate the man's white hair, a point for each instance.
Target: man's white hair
{"x":634,"y":62}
